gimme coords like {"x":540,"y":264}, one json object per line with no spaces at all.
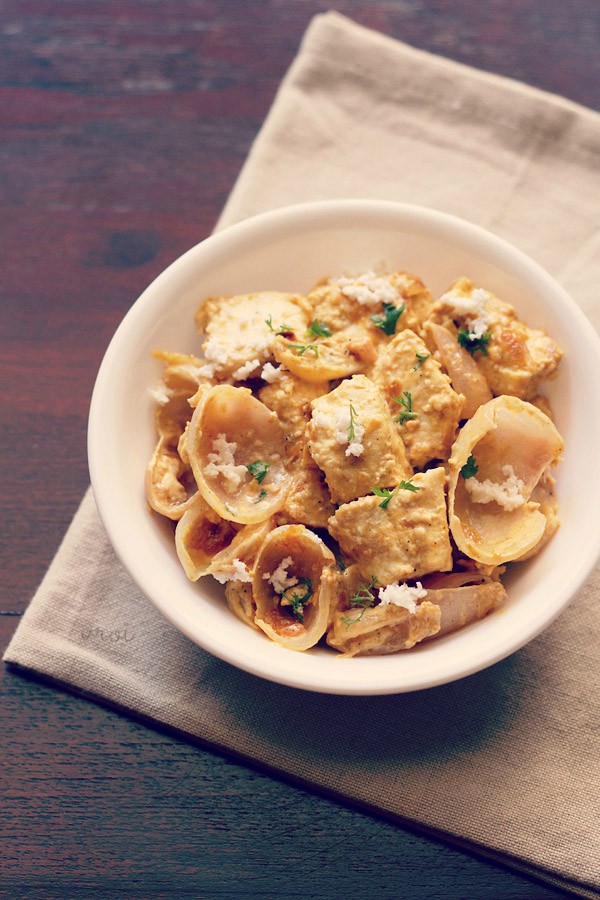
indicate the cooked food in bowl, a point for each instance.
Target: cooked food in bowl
{"x":359,"y":465}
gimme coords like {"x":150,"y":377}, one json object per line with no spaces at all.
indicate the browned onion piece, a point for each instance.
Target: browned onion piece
{"x":466,"y":377}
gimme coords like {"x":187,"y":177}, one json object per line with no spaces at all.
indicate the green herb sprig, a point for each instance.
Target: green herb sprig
{"x":470,"y":468}
{"x":298,"y":601}
{"x":285,"y":330}
{"x":353,"y":421}
{"x":421,"y":357}
{"x":258,"y":470}
{"x":302,"y":348}
{"x":320,"y":329}
{"x":407,"y":413}
{"x":387,"y":494}
{"x":472,"y":343}
{"x":387,"y":322}
{"x":363,"y":599}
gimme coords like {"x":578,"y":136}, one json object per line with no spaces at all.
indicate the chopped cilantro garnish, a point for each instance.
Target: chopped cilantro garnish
{"x":353,"y":418}
{"x":286,"y":330}
{"x":421,"y":357}
{"x":302,"y":348}
{"x":472,"y":343}
{"x":298,"y":600}
{"x":470,"y":468}
{"x":385,"y":493}
{"x":387,"y":321}
{"x":261,"y":496}
{"x":408,"y":486}
{"x":319,"y":328}
{"x":362,"y":599}
{"x":406,"y":402}
{"x":258,"y":470}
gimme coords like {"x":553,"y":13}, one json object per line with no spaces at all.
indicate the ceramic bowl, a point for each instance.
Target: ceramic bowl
{"x":289,"y":250}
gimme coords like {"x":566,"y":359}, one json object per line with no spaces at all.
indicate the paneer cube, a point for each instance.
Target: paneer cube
{"x":420,"y":398}
{"x":240,"y":330}
{"x":406,"y":539}
{"x":514,"y":358}
{"x":352,"y":439}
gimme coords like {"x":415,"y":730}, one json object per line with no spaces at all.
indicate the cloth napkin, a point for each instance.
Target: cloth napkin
{"x":505,"y":761}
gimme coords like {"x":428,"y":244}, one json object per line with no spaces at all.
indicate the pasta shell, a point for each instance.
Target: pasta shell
{"x":507,"y":438}
{"x":240,"y":601}
{"x":170,"y":486}
{"x":201,"y":535}
{"x":345,"y":353}
{"x":243,"y":549}
{"x":294,"y":581}
{"x":236,"y":448}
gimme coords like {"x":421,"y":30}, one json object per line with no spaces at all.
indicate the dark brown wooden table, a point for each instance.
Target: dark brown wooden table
{"x":123,"y":126}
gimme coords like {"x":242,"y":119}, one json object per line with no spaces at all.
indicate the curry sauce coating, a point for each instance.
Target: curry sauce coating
{"x":290,"y":398}
{"x":334,"y":308}
{"x":240,"y":330}
{"x":308,"y":501}
{"x":406,"y":539}
{"x":429,"y":430}
{"x":518,"y":357}
{"x":382,"y":461}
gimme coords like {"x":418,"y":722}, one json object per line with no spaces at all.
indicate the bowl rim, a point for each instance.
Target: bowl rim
{"x":323,"y":213}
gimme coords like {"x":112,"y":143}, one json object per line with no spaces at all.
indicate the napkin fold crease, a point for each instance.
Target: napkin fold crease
{"x":504,"y":762}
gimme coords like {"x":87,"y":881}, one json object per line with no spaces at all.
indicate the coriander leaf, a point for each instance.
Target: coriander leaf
{"x":472,"y":343}
{"x":408,"y":486}
{"x":319,"y":328}
{"x":386,"y":494}
{"x":406,"y":402}
{"x":421,"y":357}
{"x":296,"y":600}
{"x":286,"y":330}
{"x":470,"y":468}
{"x":302,"y":348}
{"x":261,"y":496}
{"x":353,"y":418}
{"x":387,"y":321}
{"x":362,"y":599}
{"x":258,"y":470}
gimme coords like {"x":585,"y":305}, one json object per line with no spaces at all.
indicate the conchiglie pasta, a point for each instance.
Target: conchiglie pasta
{"x":201,"y":534}
{"x":496,"y":462}
{"x":316,"y":467}
{"x":236,"y":448}
{"x":294,"y":580}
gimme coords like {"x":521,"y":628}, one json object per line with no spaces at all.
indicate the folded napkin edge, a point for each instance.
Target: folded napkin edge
{"x":504,"y":860}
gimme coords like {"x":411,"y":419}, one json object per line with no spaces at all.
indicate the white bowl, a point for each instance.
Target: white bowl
{"x":289,"y":250}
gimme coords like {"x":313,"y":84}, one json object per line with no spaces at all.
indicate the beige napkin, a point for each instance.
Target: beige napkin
{"x":507,"y":760}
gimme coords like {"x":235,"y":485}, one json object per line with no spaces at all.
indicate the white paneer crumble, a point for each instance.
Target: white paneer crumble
{"x":280,"y":579}
{"x":244,"y":371}
{"x":271,"y":373}
{"x":508,"y":494}
{"x":222,"y":462}
{"x":207,"y":371}
{"x":160,"y":394}
{"x":473,"y":307}
{"x":236,"y":570}
{"x":402,"y":595}
{"x":214,"y":352}
{"x":343,"y":424}
{"x":368,"y":289}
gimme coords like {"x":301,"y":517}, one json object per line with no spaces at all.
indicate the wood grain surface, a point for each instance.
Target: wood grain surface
{"x":122,"y":128}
